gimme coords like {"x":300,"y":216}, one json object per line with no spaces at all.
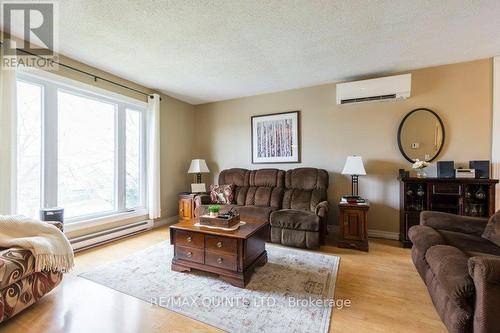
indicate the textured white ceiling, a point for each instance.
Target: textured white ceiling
{"x":202,"y":51}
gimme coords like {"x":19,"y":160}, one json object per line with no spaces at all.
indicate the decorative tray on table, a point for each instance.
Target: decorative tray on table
{"x":221,"y":220}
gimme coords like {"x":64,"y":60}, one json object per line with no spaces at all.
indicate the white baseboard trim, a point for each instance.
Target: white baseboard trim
{"x":166,"y":221}
{"x":383,"y":234}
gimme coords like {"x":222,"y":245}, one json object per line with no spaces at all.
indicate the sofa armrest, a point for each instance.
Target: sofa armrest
{"x":202,"y":199}
{"x":452,"y":222}
{"x":424,"y":237}
{"x":321,"y":209}
{"x":485,"y":272}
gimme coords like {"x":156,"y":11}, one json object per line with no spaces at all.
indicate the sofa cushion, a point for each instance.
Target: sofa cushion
{"x":264,"y":196}
{"x":255,"y":212}
{"x":267,"y":178}
{"x":236,"y":176}
{"x":306,"y":179}
{"x":450,"y":268}
{"x":240,"y":195}
{"x":453,"y":222}
{"x":251,"y":212}
{"x":266,"y":188}
{"x":295,"y":220}
{"x":15,"y":264}
{"x":469,"y":243}
{"x":305,"y":188}
{"x":492,"y":229}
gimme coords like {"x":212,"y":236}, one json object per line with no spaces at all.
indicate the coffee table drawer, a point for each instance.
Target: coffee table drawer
{"x":221,"y":260}
{"x":221,"y":244}
{"x":191,"y":239}
{"x":190,"y":254}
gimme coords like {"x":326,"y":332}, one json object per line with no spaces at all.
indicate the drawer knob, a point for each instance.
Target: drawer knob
{"x":219,"y":260}
{"x":219,"y":244}
{"x":189,"y":239}
{"x":189,"y":254}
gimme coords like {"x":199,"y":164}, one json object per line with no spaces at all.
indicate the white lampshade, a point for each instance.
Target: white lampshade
{"x":198,"y":166}
{"x":354,"y":166}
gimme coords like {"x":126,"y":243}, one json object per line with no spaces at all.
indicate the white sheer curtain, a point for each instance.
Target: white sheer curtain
{"x":153,"y":159}
{"x":7,"y":136}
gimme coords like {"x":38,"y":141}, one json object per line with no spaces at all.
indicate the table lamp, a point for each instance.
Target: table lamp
{"x":198,"y":166}
{"x":354,"y":167}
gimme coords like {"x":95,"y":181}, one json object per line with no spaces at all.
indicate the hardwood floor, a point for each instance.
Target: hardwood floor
{"x":386,"y":293}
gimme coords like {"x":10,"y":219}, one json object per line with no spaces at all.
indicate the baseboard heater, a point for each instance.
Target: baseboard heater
{"x":98,"y":238}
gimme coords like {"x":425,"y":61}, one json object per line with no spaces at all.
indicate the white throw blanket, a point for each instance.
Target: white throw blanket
{"x":50,"y":247}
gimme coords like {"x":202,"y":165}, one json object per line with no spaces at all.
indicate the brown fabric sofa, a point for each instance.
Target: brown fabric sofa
{"x":461,"y":270}
{"x":20,"y":285}
{"x":294,"y":202}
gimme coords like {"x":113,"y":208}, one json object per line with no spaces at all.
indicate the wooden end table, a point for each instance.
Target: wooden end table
{"x":186,"y":205}
{"x":353,"y":226}
{"x":232,"y":255}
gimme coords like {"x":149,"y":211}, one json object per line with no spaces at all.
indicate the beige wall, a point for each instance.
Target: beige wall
{"x":176,"y":123}
{"x":460,"y":93}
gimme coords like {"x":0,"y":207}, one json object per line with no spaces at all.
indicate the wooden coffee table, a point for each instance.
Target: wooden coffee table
{"x":232,"y":255}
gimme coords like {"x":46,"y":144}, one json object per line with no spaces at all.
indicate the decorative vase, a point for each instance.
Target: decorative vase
{"x":421,"y":173}
{"x":214,"y":214}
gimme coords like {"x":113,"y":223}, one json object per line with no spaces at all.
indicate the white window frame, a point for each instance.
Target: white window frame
{"x":51,"y":84}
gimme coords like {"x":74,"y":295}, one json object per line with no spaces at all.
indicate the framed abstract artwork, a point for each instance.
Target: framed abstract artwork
{"x":276,"y":138}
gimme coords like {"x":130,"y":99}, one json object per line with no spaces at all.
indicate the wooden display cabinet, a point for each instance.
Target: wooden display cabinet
{"x":468,"y":197}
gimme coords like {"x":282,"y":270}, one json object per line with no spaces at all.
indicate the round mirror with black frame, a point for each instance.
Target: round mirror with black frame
{"x":421,"y":135}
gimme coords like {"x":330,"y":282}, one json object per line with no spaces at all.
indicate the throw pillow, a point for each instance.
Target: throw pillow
{"x":222,"y":194}
{"x":492,"y":230}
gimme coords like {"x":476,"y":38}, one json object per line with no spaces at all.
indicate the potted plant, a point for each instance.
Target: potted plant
{"x":213,"y":210}
{"x":420,"y":166}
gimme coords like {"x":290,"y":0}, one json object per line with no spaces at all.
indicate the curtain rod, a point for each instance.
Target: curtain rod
{"x":96,"y":77}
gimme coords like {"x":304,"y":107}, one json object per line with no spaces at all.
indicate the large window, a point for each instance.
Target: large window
{"x":77,"y":149}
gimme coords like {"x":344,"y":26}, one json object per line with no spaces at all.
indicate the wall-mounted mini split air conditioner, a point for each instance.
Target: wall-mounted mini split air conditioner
{"x":390,"y":88}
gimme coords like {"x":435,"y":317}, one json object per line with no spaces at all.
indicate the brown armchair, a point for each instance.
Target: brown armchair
{"x":461,"y":270}
{"x":302,"y":221}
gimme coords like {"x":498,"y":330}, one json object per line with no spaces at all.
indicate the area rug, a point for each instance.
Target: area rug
{"x":293,"y":292}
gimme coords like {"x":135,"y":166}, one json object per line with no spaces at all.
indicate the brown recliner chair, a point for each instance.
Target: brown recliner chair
{"x":302,"y":221}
